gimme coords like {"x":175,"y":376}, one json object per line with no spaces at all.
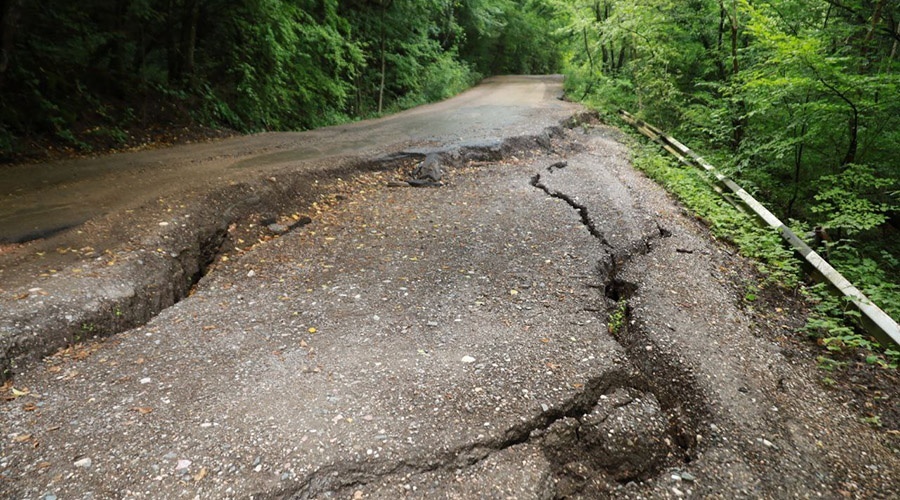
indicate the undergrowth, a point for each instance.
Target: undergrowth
{"x":833,"y":322}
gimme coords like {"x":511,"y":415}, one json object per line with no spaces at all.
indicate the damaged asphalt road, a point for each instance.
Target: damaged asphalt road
{"x":521,"y":332}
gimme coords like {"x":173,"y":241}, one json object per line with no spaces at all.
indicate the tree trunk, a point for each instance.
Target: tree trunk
{"x":738,"y":121}
{"x":876,"y":18}
{"x":720,"y":41}
{"x":383,"y":66}
{"x":587,"y":50}
{"x":853,"y":132}
{"x":381,"y":85}
{"x":621,"y":61}
{"x":189,"y":36}
{"x":173,"y":59}
{"x":9,"y":23}
{"x":735,"y":67}
{"x":798,"y":162}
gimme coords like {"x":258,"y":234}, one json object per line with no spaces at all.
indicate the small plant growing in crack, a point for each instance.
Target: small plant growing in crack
{"x":86,"y":330}
{"x":616,"y":320}
{"x":873,"y":420}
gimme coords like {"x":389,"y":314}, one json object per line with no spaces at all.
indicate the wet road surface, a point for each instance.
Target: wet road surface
{"x":521,"y":332}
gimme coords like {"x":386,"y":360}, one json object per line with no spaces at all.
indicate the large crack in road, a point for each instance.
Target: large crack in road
{"x":619,"y":429}
{"x":522,"y":332}
{"x":162,"y":268}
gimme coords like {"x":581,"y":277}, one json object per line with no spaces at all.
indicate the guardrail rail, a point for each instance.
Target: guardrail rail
{"x":874,"y":320}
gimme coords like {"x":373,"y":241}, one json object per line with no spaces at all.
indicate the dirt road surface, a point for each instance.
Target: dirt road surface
{"x":547,"y":324}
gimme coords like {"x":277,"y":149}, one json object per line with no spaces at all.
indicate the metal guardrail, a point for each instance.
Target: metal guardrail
{"x":874,"y":320}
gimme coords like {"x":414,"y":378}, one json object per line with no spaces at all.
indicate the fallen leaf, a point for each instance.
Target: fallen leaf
{"x":143,"y":410}
{"x":29,"y":407}
{"x":21,"y":438}
{"x":312,"y":330}
{"x":22,"y":296}
{"x":200,"y":475}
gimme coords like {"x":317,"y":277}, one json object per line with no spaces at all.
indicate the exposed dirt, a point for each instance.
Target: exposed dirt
{"x":141,"y":136}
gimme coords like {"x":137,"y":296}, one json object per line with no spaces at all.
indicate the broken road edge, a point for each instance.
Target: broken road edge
{"x":149,"y":280}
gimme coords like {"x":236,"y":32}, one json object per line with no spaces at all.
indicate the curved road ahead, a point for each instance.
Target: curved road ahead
{"x":37,"y":200}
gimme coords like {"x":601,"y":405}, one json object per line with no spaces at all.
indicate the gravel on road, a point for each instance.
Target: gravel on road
{"x":521,"y":332}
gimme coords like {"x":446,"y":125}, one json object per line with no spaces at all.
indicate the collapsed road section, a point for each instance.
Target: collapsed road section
{"x":122,"y":237}
{"x":517,"y":333}
{"x":100,"y":294}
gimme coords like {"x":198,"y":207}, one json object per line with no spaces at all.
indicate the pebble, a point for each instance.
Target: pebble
{"x":170,"y":456}
{"x":687,"y":476}
{"x":467,"y":359}
{"x":49,"y":496}
{"x":146,"y":380}
{"x":183,"y":464}
{"x":84,"y":462}
{"x":278,"y":228}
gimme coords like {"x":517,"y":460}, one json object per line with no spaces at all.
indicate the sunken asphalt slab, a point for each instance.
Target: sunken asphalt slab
{"x":451,"y":343}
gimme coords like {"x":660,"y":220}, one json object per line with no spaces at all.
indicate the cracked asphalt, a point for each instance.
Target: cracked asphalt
{"x":521,"y":332}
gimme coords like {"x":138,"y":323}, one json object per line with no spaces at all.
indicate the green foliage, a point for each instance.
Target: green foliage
{"x":618,"y":316}
{"x":835,"y":323}
{"x":507,"y":36}
{"x":794,"y":99}
{"x":255,"y":65}
{"x":854,"y":200}
{"x":692,"y":187}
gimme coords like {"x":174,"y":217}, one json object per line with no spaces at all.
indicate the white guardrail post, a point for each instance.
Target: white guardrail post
{"x":875,"y":321}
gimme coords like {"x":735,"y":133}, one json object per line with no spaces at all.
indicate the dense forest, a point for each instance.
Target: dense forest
{"x":89,"y":73}
{"x":799,"y":100}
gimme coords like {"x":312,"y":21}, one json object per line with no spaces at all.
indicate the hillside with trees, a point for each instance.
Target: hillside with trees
{"x":798,"y":100}
{"x":99,"y":74}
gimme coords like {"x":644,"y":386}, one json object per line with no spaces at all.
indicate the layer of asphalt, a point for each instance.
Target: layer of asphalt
{"x":522,"y":332}
{"x":158,"y":220}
